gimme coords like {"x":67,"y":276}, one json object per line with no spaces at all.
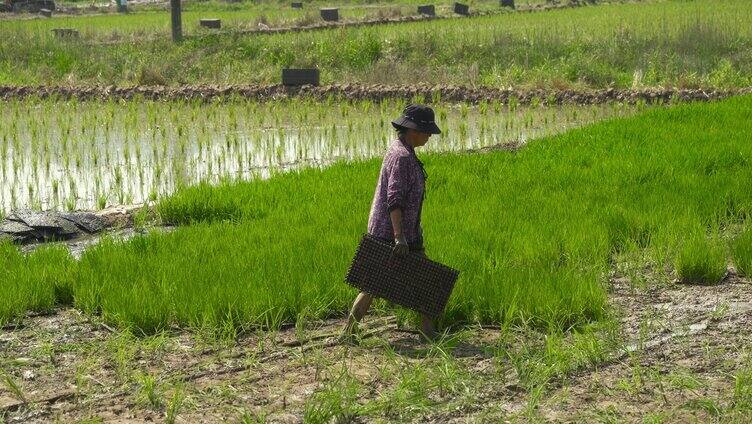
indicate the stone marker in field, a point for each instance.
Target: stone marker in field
{"x":461,"y":9}
{"x":297,"y":77}
{"x":210,"y":23}
{"x":330,"y":14}
{"x":507,"y":3}
{"x":428,"y":10}
{"x":45,"y":12}
{"x":297,"y":5}
{"x":65,"y":32}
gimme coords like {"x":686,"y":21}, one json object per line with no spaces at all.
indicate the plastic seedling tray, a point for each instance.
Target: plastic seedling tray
{"x":412,"y":281}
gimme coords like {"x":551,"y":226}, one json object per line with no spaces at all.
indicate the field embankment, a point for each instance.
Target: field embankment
{"x":247,"y":14}
{"x":373,"y":92}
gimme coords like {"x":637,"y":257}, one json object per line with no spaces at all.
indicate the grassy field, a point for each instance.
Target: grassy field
{"x":533,"y":232}
{"x":696,"y":43}
{"x":153,"y":21}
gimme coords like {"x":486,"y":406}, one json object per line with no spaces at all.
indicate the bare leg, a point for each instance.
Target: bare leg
{"x":358,"y":311}
{"x":427,"y":327}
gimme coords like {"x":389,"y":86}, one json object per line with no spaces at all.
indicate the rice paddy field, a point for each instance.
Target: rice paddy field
{"x":547,"y":220}
{"x":659,"y":197}
{"x":90,"y":155}
{"x":604,"y":249}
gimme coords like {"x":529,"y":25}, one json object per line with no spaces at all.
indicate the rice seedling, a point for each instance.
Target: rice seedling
{"x":146,"y":153}
{"x":34,"y":282}
{"x":532,"y":232}
{"x":71,"y":203}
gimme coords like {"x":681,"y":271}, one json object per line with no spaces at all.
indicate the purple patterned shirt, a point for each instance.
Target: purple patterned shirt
{"x":401,"y":185}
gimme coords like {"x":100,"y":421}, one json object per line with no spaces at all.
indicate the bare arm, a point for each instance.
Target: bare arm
{"x":400,"y":244}
{"x":396,"y":216}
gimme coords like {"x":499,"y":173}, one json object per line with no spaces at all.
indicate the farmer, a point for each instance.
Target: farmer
{"x":397,"y":203}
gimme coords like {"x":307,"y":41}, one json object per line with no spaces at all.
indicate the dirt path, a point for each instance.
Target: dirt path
{"x":680,"y":351}
{"x":687,"y":345}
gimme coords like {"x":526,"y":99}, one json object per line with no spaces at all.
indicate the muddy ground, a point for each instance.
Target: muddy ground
{"x":670,"y":353}
{"x":373,"y":92}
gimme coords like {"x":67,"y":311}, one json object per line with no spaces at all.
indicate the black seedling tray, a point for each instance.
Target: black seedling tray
{"x":412,"y":281}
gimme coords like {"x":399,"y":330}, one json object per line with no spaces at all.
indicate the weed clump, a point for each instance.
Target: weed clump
{"x":149,"y":76}
{"x":743,"y":389}
{"x":742,"y":252}
{"x":34,"y":282}
{"x":701,"y":260}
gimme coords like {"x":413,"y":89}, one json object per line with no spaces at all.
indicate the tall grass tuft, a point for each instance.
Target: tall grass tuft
{"x":742,"y":252}
{"x":701,"y":260}
{"x":36,"y":282}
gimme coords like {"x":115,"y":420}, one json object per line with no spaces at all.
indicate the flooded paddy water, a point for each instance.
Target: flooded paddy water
{"x":66,"y":155}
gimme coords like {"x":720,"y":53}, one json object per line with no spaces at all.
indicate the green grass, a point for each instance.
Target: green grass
{"x":156,"y":23}
{"x":531,"y":244}
{"x":35,"y":282}
{"x":152,"y":20}
{"x":743,"y":389}
{"x":742,"y":252}
{"x":691,"y":43}
{"x":701,"y":260}
{"x":532,"y":232}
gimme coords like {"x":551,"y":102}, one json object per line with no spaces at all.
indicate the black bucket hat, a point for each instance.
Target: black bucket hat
{"x":418,"y":117}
